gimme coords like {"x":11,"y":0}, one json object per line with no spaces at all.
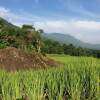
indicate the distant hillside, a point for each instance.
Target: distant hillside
{"x":67,"y":39}
{"x":4,"y":23}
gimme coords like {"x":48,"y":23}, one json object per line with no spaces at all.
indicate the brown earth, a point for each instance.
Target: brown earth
{"x":13,"y":59}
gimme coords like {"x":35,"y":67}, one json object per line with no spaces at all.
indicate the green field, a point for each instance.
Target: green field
{"x":78,"y":79}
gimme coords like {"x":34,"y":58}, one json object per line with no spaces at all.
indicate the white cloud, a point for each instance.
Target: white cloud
{"x":88,"y":25}
{"x":17,"y":18}
{"x":4,"y":12}
{"x":88,"y":31}
{"x":64,"y":26}
{"x":78,"y":7}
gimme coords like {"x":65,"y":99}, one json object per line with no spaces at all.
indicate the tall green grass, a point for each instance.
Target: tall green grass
{"x":78,"y":79}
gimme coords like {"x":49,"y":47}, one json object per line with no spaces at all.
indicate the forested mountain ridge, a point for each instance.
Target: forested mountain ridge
{"x":67,"y":39}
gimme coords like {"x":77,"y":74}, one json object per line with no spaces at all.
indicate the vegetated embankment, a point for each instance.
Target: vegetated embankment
{"x":15,"y":59}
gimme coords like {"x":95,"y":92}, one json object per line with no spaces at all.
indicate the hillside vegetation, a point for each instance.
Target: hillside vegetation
{"x":31,"y":40}
{"x":68,"y":39}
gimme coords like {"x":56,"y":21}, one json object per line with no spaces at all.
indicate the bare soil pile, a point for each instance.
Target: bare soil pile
{"x":14,"y":59}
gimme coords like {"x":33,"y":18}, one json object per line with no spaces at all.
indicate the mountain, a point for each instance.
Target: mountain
{"x":67,"y":39}
{"x":4,"y":23}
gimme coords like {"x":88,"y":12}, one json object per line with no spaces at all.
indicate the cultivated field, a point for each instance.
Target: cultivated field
{"x":78,"y":79}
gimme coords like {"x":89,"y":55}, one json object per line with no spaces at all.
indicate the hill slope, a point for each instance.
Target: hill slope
{"x":67,"y":39}
{"x":4,"y":23}
{"x":13,"y":59}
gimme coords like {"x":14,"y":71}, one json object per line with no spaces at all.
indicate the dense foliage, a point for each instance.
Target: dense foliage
{"x":25,"y":38}
{"x":54,"y":47}
{"x":78,"y":80}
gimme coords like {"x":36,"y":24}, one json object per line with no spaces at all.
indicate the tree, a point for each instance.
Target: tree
{"x":33,"y":36}
{"x":39,"y":42}
{"x":28,"y":27}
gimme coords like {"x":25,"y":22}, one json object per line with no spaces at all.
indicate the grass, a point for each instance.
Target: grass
{"x":78,"y":79}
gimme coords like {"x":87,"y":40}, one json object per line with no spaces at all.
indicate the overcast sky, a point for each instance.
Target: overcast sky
{"x":79,"y":18}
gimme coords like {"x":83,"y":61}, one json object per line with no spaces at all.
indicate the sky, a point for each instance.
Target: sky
{"x":79,"y":18}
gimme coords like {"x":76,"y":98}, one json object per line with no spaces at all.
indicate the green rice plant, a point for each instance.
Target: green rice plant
{"x":78,"y":79}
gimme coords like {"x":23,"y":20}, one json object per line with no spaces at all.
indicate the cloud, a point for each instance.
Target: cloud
{"x":88,"y":31}
{"x":62,"y":25}
{"x":4,"y":12}
{"x":92,"y":25}
{"x":78,"y":7}
{"x":19,"y":18}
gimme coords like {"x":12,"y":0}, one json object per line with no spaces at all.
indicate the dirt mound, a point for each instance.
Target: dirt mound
{"x":15,"y":59}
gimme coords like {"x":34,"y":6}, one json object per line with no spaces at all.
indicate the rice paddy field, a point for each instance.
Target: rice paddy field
{"x":77,"y":79}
